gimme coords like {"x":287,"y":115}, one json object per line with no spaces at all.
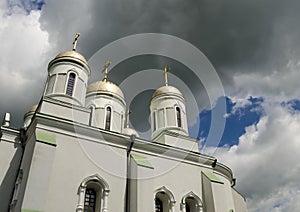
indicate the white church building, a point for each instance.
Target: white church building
{"x":76,"y":152}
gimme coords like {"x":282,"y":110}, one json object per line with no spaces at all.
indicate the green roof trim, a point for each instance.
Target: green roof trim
{"x":142,"y":161}
{"x":26,"y":210}
{"x":212,"y":177}
{"x":45,"y":138}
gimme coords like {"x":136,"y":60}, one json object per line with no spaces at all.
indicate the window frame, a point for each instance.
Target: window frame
{"x":191,"y":195}
{"x":102,"y":192}
{"x":72,"y":85}
{"x":178,"y":116}
{"x":169,"y":202}
{"x":108,"y":120}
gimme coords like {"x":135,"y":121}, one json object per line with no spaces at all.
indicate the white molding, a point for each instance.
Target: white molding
{"x":104,"y":195}
{"x":191,"y":194}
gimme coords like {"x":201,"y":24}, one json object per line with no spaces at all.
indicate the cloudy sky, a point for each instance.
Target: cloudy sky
{"x":253,"y":45}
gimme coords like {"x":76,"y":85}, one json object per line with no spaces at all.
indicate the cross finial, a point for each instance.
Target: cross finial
{"x":75,"y":41}
{"x":166,"y":70}
{"x":127,"y":117}
{"x":105,"y":70}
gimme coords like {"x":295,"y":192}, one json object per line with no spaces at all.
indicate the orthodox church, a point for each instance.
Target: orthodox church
{"x":76,"y":152}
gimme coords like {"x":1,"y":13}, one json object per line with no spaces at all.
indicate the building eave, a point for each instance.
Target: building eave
{"x":93,"y":134}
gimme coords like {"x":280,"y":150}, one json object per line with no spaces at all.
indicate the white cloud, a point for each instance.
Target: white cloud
{"x":282,"y":85}
{"x":23,"y":58}
{"x":266,"y":161}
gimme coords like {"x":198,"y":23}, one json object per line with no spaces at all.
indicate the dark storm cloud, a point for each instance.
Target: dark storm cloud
{"x":235,"y":35}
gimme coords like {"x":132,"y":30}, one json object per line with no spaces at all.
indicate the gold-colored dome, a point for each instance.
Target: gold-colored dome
{"x":31,"y":110}
{"x":130,"y":131}
{"x":167,"y":90}
{"x":72,"y":54}
{"x":105,"y":87}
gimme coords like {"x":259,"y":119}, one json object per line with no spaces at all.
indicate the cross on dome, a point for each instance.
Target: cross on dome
{"x":127,"y":117}
{"x":166,"y":70}
{"x":75,"y":41}
{"x":105,"y":70}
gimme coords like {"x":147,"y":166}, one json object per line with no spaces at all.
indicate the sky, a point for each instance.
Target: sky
{"x":254,"y":46}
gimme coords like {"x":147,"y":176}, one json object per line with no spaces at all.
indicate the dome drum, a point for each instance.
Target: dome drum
{"x":108,"y":116}
{"x":167,"y":109}
{"x":104,"y":95}
{"x":68,"y":77}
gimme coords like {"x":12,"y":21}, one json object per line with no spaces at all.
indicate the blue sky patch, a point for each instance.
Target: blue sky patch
{"x":237,"y":117}
{"x":26,"y":5}
{"x":293,"y":105}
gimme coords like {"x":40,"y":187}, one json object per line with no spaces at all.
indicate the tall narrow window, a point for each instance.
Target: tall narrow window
{"x":154,"y":121}
{"x":158,"y":205}
{"x":108,"y":118}
{"x":187,"y":208}
{"x":164,"y":200}
{"x":178,"y":116}
{"x":91,"y":115}
{"x":90,"y":200}
{"x":71,"y":82}
{"x":191,"y":204}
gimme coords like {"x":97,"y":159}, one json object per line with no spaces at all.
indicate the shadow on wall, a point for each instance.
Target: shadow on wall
{"x":8,"y":183}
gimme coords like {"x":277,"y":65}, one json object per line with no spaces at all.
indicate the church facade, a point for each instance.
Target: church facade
{"x":76,"y":152}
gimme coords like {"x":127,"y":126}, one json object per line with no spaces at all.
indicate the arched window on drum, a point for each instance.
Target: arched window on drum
{"x":178,"y":117}
{"x":71,"y":83}
{"x":107,"y":118}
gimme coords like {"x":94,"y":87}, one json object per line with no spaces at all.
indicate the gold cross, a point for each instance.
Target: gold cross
{"x":75,"y":41}
{"x":105,"y":70}
{"x":127,"y":117}
{"x":166,"y":70}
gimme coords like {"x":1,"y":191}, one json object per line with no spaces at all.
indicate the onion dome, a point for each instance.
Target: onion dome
{"x":105,"y":87}
{"x":28,"y":116}
{"x":107,"y":101}
{"x":107,"y":104}
{"x":167,"y":108}
{"x":127,"y":130}
{"x":31,"y":110}
{"x":71,"y":54}
{"x":130,"y":131}
{"x":167,"y":90}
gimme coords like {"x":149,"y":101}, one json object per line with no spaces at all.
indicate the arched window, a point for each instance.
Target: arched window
{"x":71,"y":83}
{"x":164,"y":200}
{"x":191,"y":203}
{"x":108,"y":118}
{"x":158,"y":205}
{"x":92,"y":108}
{"x":178,"y":117}
{"x":90,"y":200}
{"x":93,"y":195}
{"x":154,"y":120}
